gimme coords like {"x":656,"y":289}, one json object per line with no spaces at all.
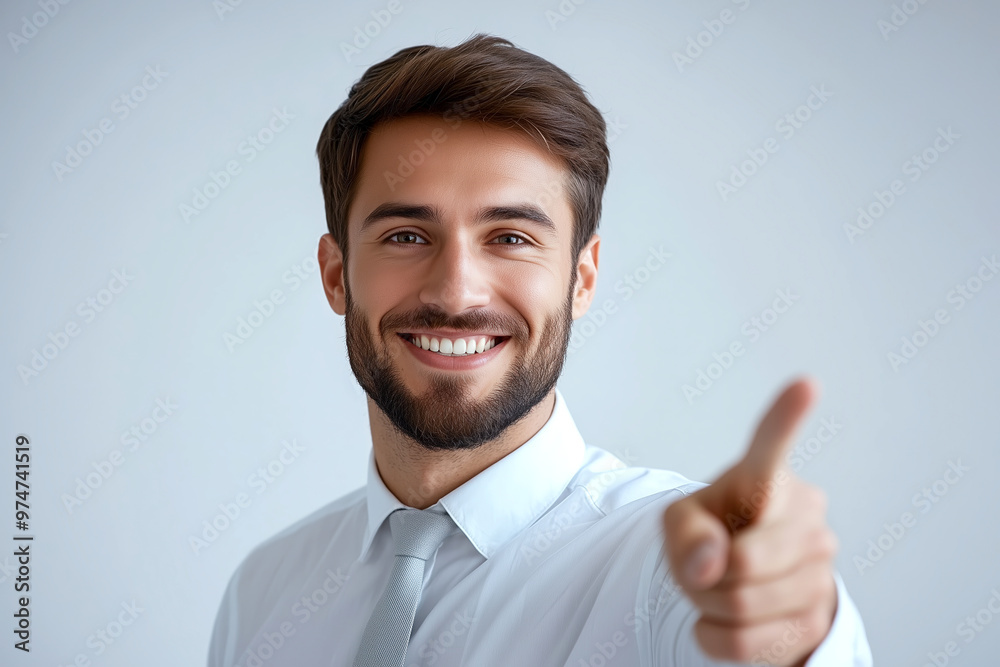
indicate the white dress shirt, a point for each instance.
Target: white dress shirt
{"x":559,"y":561}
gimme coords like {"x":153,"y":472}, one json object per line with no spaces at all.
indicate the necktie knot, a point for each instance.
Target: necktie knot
{"x":419,"y":533}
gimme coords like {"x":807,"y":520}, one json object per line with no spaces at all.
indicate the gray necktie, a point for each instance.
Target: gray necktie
{"x":416,"y":534}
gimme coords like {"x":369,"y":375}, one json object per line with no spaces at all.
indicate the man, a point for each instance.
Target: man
{"x":463,"y":189}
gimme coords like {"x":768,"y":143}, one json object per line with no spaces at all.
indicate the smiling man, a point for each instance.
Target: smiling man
{"x":463,"y":191}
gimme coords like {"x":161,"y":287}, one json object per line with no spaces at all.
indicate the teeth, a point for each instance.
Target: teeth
{"x":460,"y":347}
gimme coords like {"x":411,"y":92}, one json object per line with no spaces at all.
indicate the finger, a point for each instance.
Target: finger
{"x":795,"y":592}
{"x":779,"y":642}
{"x":775,"y":434}
{"x":697,"y":543}
{"x":766,"y":551}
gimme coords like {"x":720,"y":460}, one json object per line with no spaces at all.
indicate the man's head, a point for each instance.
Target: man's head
{"x":463,"y":189}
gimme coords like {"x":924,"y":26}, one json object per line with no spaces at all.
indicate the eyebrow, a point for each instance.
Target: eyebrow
{"x":519,"y":211}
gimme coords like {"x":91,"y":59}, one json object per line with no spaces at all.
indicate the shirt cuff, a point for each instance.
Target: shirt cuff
{"x":846,"y":644}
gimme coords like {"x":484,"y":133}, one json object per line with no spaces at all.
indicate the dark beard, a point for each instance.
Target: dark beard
{"x":445,"y":418}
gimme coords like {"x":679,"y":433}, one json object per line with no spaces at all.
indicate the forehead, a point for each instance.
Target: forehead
{"x":458,"y":166}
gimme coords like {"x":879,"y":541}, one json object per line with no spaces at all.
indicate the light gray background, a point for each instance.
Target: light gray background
{"x":679,"y":132}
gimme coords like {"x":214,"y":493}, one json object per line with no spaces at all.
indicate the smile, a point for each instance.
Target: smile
{"x":453,"y":347}
{"x":473,"y":352}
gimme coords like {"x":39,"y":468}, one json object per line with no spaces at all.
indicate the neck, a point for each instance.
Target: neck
{"x":419,"y":477}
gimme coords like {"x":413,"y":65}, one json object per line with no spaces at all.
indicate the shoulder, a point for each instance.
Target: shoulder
{"x":273,"y":566}
{"x":612,"y":485}
{"x":306,"y":540}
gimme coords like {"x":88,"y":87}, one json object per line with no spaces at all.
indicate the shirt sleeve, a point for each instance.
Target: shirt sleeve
{"x":846,"y":643}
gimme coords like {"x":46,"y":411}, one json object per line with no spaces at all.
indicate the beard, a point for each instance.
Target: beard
{"x":446,"y":417}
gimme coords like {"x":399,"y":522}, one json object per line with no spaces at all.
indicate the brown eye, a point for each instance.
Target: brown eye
{"x":409,"y":236}
{"x":519,"y":240}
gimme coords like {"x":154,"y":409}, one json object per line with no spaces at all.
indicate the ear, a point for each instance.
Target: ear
{"x":586,"y":277}
{"x":331,"y":269}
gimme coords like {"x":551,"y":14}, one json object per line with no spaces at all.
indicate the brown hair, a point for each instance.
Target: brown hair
{"x":486,"y":79}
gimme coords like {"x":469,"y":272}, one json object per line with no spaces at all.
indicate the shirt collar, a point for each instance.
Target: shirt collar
{"x":503,"y":499}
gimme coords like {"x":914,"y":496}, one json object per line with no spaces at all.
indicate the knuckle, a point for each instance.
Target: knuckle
{"x":826,"y":589}
{"x":726,"y":644}
{"x":827,"y":543}
{"x":742,"y":558}
{"x":738,"y":603}
{"x":816,"y":623}
{"x":741,"y":646}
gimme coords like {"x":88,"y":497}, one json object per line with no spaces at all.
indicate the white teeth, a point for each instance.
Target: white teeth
{"x":457,"y":347}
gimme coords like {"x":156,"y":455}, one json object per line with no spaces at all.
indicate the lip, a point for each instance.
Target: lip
{"x":467,"y":363}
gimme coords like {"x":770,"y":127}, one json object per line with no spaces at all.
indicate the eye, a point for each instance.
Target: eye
{"x":406,"y":235}
{"x":518,"y":239}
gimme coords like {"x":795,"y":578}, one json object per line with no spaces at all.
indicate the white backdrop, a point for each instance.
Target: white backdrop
{"x":159,"y":183}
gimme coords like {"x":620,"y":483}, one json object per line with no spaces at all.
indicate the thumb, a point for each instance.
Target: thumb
{"x":697,"y":543}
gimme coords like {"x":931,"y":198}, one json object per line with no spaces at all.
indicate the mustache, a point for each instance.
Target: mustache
{"x":478,"y":320}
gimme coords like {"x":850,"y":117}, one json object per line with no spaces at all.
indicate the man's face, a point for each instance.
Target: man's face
{"x":442,"y":246}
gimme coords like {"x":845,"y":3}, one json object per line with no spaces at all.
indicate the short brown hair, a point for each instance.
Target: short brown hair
{"x":487,"y":79}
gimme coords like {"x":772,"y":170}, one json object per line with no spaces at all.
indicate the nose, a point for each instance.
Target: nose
{"x":457,"y":278}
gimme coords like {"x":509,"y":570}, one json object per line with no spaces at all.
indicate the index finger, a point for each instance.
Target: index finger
{"x":768,"y":450}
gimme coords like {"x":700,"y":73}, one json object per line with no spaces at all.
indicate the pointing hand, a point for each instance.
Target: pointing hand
{"x":753,"y":551}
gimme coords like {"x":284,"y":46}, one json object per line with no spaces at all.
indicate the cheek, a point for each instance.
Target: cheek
{"x":375,"y":293}
{"x":534,"y":291}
